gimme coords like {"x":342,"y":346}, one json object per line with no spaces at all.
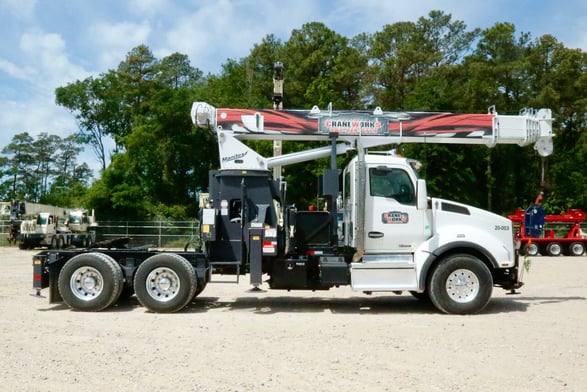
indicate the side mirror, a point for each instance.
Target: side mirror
{"x":421,"y":195}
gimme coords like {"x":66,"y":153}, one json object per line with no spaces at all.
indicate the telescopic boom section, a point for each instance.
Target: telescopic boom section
{"x":355,"y":129}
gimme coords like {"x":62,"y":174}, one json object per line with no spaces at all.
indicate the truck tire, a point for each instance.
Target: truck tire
{"x":554,"y":249}
{"x":460,"y":284}
{"x":90,"y":282}
{"x":165,"y":283}
{"x":531,"y":249}
{"x":576,"y":249}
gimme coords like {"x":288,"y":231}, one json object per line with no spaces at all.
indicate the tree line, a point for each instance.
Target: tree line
{"x":44,"y":168}
{"x":160,"y":161}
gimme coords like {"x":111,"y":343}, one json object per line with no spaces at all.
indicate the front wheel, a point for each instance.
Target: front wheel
{"x":165,"y":283}
{"x":460,"y":284}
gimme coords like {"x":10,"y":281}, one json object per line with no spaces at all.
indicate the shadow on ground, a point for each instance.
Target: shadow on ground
{"x":393,"y":304}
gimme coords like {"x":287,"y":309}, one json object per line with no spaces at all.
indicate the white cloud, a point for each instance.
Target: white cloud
{"x":224,"y":29}
{"x":372,"y":15}
{"x":150,"y":7}
{"x":20,"y":9}
{"x":47,"y":51}
{"x":112,"y":41}
{"x":35,"y":116}
{"x":40,"y":66}
{"x":15,"y":71}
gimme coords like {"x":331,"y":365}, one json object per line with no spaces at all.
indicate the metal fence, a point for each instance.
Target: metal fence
{"x":160,"y":234}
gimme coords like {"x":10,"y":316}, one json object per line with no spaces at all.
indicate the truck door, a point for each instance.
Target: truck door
{"x":392,"y":222}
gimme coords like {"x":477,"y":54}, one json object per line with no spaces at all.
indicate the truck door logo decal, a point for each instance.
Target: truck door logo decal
{"x":395,"y":217}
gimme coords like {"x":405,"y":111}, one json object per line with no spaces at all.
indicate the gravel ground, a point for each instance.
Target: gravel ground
{"x":232,"y":339}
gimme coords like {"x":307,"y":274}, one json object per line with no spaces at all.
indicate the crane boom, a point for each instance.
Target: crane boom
{"x":356,"y":129}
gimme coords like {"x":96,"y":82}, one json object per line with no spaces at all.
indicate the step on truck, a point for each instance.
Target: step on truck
{"x":395,"y":238}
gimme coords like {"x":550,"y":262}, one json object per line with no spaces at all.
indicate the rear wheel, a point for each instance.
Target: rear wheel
{"x":576,"y":249}
{"x":460,"y":284}
{"x":554,"y":249}
{"x":165,"y":283}
{"x":90,"y":282}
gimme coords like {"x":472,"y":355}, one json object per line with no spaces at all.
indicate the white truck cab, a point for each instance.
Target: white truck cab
{"x":402,"y":232}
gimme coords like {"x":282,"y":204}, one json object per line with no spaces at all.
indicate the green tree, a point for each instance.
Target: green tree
{"x":160,"y":162}
{"x":98,"y":110}
{"x":160,"y":156}
{"x":44,"y":170}
{"x":45,"y":148}
{"x":406,"y":55}
{"x":557,"y":76}
{"x":321,"y":67}
{"x":20,"y":160}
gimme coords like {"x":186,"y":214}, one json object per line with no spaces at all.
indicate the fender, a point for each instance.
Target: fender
{"x":461,"y":246}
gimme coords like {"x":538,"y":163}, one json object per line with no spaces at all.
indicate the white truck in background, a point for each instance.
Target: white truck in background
{"x":36,"y":225}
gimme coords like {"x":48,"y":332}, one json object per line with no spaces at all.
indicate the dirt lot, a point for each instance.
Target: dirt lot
{"x":231,"y":339}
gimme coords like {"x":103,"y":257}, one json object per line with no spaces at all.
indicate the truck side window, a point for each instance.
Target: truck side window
{"x":392,"y":183}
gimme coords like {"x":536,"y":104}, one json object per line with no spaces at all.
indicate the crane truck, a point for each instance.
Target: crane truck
{"x":24,"y":213}
{"x":47,"y":230}
{"x":40,"y":225}
{"x":549,"y":234}
{"x":395,"y":237}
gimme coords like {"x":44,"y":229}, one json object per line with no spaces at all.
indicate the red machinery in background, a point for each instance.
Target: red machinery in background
{"x":549,"y":234}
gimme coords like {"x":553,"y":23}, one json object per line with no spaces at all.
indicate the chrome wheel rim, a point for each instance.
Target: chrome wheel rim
{"x":163,"y":284}
{"x":555,"y":249}
{"x":86,"y":283}
{"x":462,"y":285}
{"x":532,"y":250}
{"x":577,"y":249}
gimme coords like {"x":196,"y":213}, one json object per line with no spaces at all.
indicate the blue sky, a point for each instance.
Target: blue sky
{"x":46,"y":44}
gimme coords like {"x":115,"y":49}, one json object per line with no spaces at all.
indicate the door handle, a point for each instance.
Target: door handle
{"x":375,"y":234}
